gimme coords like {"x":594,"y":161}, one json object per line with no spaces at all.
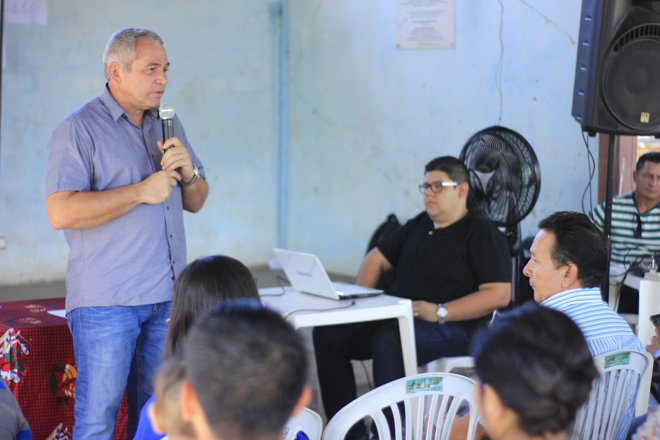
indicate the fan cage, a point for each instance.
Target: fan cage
{"x":504,"y":175}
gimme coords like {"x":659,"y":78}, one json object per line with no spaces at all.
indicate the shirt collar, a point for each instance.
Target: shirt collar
{"x":429,"y":220}
{"x":115,"y":109}
{"x":585,"y":294}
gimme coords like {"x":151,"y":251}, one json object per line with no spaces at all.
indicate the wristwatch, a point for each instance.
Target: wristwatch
{"x":194,"y":177}
{"x":442,"y":314}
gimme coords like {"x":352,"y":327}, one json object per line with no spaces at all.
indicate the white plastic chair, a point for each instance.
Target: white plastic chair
{"x":307,"y":422}
{"x":644,"y":392}
{"x":430,"y":402}
{"x":621,"y":375}
{"x":447,"y":364}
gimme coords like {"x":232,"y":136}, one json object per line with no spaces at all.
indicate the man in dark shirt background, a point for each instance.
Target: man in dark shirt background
{"x":453,"y":264}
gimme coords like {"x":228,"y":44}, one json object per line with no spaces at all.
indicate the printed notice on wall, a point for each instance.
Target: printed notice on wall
{"x":426,"y":24}
{"x":34,"y":12}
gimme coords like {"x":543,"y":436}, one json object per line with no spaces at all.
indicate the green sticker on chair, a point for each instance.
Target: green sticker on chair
{"x":617,"y":359}
{"x":424,"y":384}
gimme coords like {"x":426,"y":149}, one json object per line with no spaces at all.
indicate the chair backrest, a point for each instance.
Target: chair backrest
{"x":447,"y":364}
{"x":420,"y":406}
{"x":308,"y":422}
{"x":610,"y":407}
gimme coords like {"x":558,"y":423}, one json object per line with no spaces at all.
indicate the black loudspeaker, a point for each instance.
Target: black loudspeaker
{"x":617,"y":73}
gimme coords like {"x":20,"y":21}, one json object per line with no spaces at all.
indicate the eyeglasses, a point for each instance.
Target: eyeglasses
{"x":436,"y":187}
{"x":649,"y":177}
{"x":637,"y":233}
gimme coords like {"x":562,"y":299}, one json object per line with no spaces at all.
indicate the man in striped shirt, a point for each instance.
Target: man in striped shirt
{"x":635,"y":233}
{"x":567,"y":264}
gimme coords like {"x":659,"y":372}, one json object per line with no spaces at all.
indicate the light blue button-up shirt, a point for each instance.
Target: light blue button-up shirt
{"x":133,"y":259}
{"x":603,"y":329}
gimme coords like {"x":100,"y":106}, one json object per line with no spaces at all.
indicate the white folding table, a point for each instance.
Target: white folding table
{"x":305,"y":310}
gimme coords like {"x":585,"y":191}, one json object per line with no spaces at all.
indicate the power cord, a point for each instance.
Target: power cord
{"x":591,"y":163}
{"x":348,"y":306}
{"x":280,"y":280}
{"x":628,"y":269}
{"x":280,"y":283}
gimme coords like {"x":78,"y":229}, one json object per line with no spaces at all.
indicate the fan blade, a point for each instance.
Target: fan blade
{"x":484,"y":178}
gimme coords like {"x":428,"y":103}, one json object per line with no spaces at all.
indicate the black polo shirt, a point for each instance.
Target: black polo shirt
{"x":442,"y":264}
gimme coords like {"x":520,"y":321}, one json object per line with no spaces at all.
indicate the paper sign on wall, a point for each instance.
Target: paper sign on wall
{"x":33,"y":12}
{"x":426,"y":24}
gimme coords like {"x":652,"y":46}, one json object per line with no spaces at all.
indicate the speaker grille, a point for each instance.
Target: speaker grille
{"x":647,"y":30}
{"x":631,"y":81}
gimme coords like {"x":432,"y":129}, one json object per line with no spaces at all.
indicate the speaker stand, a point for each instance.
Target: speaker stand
{"x":607,"y":228}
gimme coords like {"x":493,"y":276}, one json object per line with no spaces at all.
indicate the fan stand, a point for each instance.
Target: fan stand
{"x":607,"y":227}
{"x":515,"y":244}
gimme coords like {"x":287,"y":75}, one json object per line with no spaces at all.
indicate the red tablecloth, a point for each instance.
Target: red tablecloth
{"x":37,"y":364}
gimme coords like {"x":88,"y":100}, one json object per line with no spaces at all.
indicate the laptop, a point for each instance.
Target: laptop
{"x":306,"y":274}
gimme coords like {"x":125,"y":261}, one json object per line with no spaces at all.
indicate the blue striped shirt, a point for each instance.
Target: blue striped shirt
{"x":603,"y":329}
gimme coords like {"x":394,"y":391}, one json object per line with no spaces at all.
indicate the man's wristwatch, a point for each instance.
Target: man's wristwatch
{"x":442,"y":314}
{"x":194,"y":177}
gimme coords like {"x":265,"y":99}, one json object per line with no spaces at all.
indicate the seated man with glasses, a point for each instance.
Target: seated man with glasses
{"x":635,"y":234}
{"x":453,"y":264}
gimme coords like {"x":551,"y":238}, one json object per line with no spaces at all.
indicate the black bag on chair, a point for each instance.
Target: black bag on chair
{"x":384,"y":230}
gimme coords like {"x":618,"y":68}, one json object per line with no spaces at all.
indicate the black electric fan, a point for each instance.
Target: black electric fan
{"x":505,"y":181}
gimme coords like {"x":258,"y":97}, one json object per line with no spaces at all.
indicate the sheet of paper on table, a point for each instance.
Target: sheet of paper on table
{"x":60,"y":312}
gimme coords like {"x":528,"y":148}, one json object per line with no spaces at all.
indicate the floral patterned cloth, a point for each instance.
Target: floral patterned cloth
{"x":38,"y":366}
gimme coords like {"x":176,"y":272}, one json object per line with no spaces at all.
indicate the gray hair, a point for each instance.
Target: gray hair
{"x":121,"y":47}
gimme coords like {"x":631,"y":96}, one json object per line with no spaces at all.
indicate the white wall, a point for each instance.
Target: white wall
{"x":223,"y":84}
{"x":364,"y":116}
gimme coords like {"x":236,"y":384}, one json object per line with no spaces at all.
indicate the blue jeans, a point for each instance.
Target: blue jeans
{"x":111,"y":344}
{"x":335,"y":346}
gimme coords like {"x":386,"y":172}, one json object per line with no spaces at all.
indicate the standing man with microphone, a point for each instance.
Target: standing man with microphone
{"x":118,"y":190}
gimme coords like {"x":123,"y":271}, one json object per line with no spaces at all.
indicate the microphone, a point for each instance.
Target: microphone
{"x":166,"y":112}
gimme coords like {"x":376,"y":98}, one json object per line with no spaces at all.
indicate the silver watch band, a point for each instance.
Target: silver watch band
{"x":442,"y":314}
{"x":194,"y":177}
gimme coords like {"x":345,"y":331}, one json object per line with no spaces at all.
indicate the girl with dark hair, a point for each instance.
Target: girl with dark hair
{"x":534,"y":372}
{"x":204,"y":283}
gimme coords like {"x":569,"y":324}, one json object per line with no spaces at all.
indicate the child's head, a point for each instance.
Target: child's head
{"x":201,"y":285}
{"x":165,"y":413}
{"x":535,"y":372}
{"x":246,"y":371}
